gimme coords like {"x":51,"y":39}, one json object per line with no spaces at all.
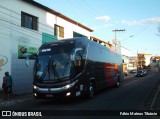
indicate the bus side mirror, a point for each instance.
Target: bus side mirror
{"x":76,"y":56}
{"x":74,"y":53}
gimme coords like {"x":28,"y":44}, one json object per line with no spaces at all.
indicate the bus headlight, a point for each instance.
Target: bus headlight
{"x":35,"y":87}
{"x":69,"y":85}
{"x":35,"y":94}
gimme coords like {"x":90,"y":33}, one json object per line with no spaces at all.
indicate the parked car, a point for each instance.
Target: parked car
{"x":140,"y":73}
{"x":145,"y":71}
{"x":133,"y":71}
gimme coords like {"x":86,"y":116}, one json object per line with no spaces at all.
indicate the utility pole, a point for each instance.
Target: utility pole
{"x":115,"y":36}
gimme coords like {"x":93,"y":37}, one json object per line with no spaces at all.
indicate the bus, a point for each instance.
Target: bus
{"x":75,"y":67}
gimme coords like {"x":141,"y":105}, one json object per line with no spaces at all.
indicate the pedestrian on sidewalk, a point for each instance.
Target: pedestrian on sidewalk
{"x":8,"y":79}
{"x":4,"y":87}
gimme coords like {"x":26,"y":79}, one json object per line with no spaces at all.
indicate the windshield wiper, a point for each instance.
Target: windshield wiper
{"x":55,"y":71}
{"x":45,"y":71}
{"x":67,"y":63}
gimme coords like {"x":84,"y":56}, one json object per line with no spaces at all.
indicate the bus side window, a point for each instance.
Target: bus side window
{"x":78,"y":59}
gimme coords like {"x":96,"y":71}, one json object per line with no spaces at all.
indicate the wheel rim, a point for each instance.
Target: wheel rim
{"x":118,"y":83}
{"x":91,"y":90}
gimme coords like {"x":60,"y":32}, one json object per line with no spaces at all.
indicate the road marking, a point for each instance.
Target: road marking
{"x":129,"y":83}
{"x":7,"y":103}
{"x":154,"y":99}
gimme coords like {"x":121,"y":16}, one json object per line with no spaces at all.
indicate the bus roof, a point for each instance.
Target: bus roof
{"x":74,"y":40}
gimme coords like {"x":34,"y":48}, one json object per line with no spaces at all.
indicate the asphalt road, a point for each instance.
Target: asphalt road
{"x":136,"y":94}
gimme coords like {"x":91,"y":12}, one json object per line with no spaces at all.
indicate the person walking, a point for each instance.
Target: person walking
{"x":4,"y":87}
{"x":8,"y":79}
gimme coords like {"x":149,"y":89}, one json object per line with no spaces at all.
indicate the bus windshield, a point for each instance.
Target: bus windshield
{"x":54,"y":63}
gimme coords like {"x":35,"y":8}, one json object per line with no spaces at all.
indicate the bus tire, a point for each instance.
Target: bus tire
{"x":91,"y":91}
{"x":118,"y":83}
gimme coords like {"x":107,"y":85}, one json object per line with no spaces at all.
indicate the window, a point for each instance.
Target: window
{"x":29,"y":21}
{"x":59,"y":31}
{"x":75,"y":34}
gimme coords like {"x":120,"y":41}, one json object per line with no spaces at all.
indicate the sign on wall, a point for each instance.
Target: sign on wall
{"x":26,"y":51}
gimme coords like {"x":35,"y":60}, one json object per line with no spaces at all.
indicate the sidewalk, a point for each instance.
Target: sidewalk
{"x":15,"y":99}
{"x":128,"y":76}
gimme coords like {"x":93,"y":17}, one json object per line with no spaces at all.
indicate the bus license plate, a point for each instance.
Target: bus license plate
{"x":49,"y":95}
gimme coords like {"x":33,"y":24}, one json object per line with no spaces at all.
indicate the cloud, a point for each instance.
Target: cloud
{"x":141,"y":22}
{"x":95,"y":27}
{"x":152,"y":20}
{"x":102,"y":26}
{"x":103,"y":18}
{"x":108,"y":25}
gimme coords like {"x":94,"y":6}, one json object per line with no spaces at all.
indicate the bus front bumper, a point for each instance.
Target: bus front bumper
{"x":70,"y":90}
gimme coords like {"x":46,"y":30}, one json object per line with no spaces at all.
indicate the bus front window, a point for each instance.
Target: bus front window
{"x":54,"y":65}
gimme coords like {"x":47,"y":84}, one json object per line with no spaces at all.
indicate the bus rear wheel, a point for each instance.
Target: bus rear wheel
{"x":118,"y":82}
{"x":91,"y":91}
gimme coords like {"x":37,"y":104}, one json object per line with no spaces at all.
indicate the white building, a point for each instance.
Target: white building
{"x":125,"y":56}
{"x":132,"y":63}
{"x":24,"y":26}
{"x":155,"y":64}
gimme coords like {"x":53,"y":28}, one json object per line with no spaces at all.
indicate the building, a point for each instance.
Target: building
{"x":125,"y":56}
{"x":25,"y":25}
{"x":107,"y":44}
{"x":155,"y":64}
{"x":143,"y":60}
{"x":132,"y":63}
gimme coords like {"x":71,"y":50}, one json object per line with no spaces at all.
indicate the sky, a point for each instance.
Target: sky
{"x":139,"y":18}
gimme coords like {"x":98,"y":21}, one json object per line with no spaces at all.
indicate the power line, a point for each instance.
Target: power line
{"x":21,"y":20}
{"x":17,"y":25}
{"x":41,"y":28}
{"x":90,"y":8}
{"x":6,"y":26}
{"x":19,"y":15}
{"x":6,"y":35}
{"x":20,"y":29}
{"x":44,"y":26}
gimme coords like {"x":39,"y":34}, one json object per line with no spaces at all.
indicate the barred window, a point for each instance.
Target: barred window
{"x":29,"y":21}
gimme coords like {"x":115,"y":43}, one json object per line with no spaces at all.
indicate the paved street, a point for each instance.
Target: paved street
{"x":134,"y":94}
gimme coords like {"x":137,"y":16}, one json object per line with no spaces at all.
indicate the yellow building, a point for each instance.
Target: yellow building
{"x":143,"y":60}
